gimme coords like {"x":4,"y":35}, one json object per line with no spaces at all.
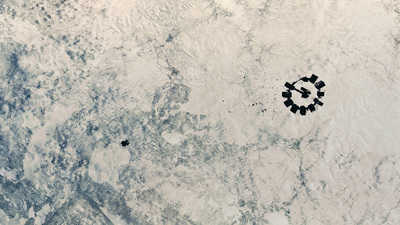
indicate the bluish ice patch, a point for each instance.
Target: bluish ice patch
{"x":144,"y":132}
{"x":64,"y":169}
{"x":16,"y":93}
{"x":99,"y":125}
{"x":18,"y":195}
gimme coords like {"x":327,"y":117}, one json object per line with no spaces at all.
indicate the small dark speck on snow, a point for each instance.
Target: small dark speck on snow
{"x":125,"y":143}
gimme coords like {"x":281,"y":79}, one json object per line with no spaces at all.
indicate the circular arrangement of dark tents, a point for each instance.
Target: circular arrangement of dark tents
{"x":305,"y":93}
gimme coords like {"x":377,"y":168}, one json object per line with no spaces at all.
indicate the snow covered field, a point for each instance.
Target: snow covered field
{"x":195,"y":87}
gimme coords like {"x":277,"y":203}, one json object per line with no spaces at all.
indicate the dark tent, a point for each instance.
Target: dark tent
{"x":313,"y":78}
{"x":288,"y":102}
{"x":294,"y":108}
{"x":319,"y":85}
{"x":318,"y":102}
{"x":290,"y":86}
{"x":303,"y":110}
{"x":311,"y":107}
{"x":286,"y":94}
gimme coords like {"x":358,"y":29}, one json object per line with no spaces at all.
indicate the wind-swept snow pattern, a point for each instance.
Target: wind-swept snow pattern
{"x":170,"y":112}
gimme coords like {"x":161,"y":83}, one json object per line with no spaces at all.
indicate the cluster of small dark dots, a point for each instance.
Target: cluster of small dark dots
{"x":256,"y":103}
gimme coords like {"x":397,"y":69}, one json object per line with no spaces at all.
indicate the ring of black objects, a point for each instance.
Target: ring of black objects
{"x":304,"y":94}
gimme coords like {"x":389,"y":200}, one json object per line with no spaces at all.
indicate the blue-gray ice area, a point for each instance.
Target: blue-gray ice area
{"x":195,"y":87}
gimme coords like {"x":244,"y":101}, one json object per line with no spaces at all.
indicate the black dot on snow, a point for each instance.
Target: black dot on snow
{"x":125,"y":143}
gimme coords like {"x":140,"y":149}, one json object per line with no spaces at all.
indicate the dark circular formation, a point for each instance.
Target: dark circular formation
{"x":125,"y":143}
{"x":304,"y":94}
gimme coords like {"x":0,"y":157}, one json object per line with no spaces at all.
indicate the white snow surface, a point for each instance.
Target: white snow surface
{"x":102,"y":63}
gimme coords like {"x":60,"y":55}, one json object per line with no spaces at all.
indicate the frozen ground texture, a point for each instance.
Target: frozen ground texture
{"x":195,"y":85}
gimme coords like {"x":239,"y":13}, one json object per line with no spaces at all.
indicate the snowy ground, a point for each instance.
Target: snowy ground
{"x":195,"y":87}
